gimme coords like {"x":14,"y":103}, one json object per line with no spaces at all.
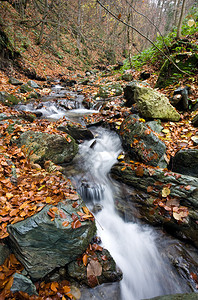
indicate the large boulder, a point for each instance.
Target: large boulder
{"x":150,"y":103}
{"x":43,"y":146}
{"x":185,"y":162}
{"x":141,"y":143}
{"x":51,"y":238}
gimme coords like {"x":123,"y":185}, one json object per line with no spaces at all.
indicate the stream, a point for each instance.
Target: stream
{"x":134,"y":246}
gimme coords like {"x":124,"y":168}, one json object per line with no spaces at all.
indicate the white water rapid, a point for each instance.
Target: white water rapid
{"x":132,"y":246}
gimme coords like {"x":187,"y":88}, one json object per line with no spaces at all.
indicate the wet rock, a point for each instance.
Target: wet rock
{"x":157,"y":179}
{"x":4,"y":253}
{"x":195,"y":121}
{"x":42,"y":244}
{"x":9,"y":99}
{"x":146,"y":146}
{"x":185,"y":162}
{"x":33,"y":84}
{"x":77,"y":132}
{"x":25,"y":88}
{"x":23,"y":284}
{"x":106,"y":291}
{"x":15,"y":81}
{"x":190,"y":296}
{"x":155,"y":126}
{"x":150,"y":103}
{"x":109,"y":271}
{"x":48,"y":147}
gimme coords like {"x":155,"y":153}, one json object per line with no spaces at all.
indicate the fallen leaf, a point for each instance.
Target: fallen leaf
{"x":165,"y":192}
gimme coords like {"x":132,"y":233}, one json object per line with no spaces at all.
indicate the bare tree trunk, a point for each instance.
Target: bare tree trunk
{"x":180,"y":20}
{"x":43,"y":22}
{"x":79,"y":25}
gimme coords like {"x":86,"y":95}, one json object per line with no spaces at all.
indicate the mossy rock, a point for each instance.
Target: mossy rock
{"x":110,"y":90}
{"x":169,"y":74}
{"x":9,"y":99}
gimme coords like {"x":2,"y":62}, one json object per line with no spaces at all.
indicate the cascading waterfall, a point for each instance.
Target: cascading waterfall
{"x":132,"y":246}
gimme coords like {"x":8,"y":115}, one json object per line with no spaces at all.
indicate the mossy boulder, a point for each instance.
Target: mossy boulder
{"x":151,"y":104}
{"x":169,"y":74}
{"x":43,"y":146}
{"x":9,"y":99}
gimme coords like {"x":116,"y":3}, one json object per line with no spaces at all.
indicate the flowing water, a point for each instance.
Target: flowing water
{"x":133,"y":246}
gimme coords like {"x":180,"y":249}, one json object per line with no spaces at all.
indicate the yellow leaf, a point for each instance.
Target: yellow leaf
{"x":41,"y":187}
{"x":121,"y":156}
{"x":191,"y":22}
{"x":165,"y":192}
{"x":165,"y":130}
{"x":9,"y":196}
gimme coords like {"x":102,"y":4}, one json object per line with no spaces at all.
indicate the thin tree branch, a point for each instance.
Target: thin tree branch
{"x":123,"y":22}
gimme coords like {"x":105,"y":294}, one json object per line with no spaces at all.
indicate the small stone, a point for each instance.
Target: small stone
{"x":15,"y":81}
{"x":33,"y":84}
{"x":23,"y":284}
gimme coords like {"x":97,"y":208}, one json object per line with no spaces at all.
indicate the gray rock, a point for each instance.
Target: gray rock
{"x":77,"y":132}
{"x":110,"y":273}
{"x":190,"y":296}
{"x":15,"y":81}
{"x":9,"y":99}
{"x":150,"y":103}
{"x":185,"y":162}
{"x":106,"y":291}
{"x":49,"y":147}
{"x":42,"y":244}
{"x":155,"y":126}
{"x":4,"y":253}
{"x":141,"y":143}
{"x":33,"y":84}
{"x":23,"y":284}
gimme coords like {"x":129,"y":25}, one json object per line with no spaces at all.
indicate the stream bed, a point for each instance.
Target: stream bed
{"x":138,"y":249}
